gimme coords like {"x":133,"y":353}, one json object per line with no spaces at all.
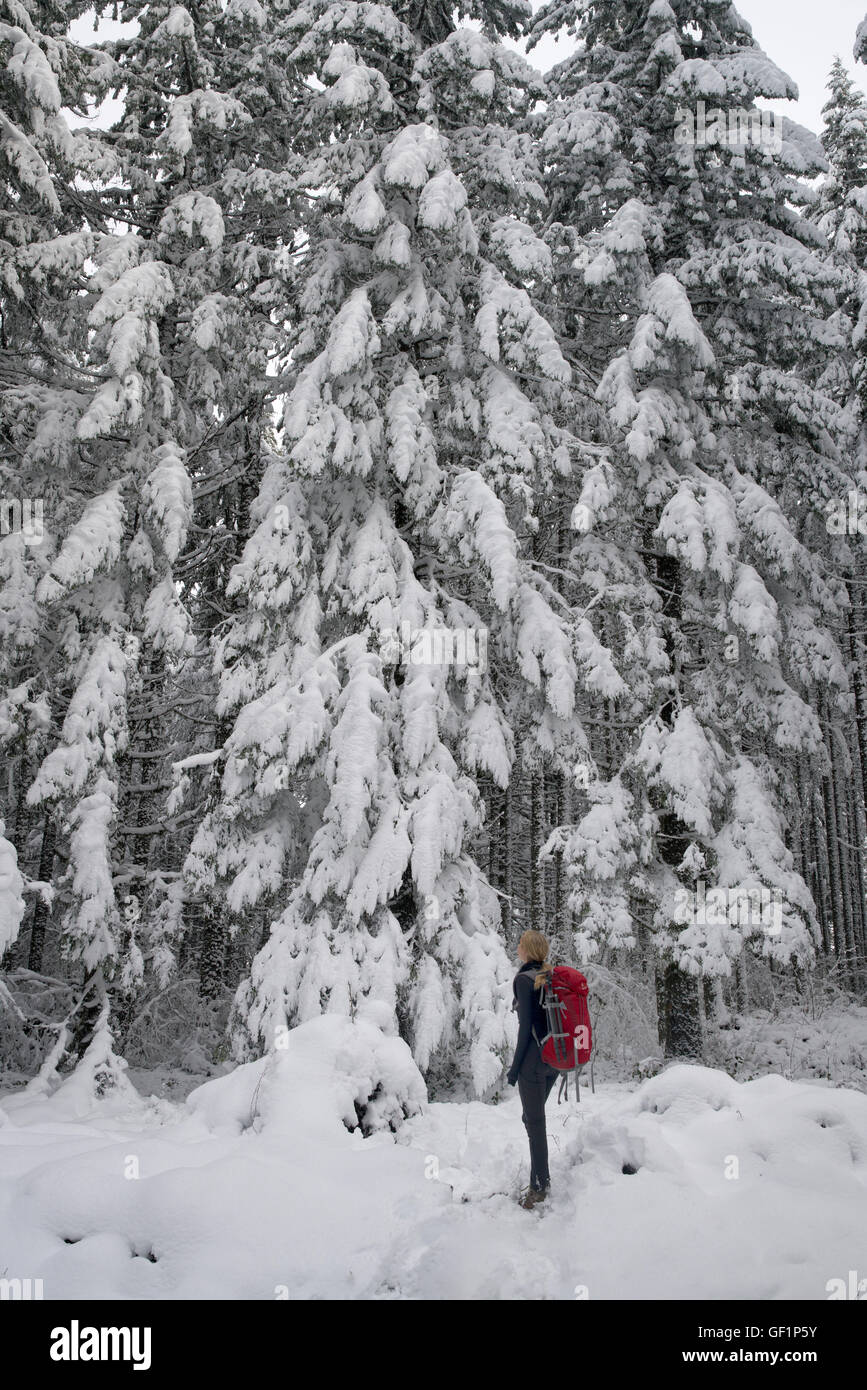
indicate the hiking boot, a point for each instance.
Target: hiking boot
{"x":532,"y":1196}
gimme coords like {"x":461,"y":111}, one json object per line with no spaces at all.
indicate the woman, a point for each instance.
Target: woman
{"x":534,"y":1077}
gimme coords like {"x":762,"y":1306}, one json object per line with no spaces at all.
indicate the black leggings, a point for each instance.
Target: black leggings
{"x":535,"y":1080}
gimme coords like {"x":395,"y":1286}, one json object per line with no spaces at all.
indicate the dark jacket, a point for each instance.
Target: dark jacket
{"x":527,"y":1002}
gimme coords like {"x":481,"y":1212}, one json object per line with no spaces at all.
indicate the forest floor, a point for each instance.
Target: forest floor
{"x":687,"y":1185}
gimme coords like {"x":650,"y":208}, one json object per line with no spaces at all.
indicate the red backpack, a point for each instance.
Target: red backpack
{"x":568,"y":1043}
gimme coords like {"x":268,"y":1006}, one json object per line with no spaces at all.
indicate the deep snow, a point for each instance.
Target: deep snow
{"x":254,"y":1188}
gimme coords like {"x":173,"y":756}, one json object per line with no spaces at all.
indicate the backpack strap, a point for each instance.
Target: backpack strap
{"x":553,"y":1010}
{"x":542,"y":988}
{"x":543,"y":995}
{"x":564,"y":1086}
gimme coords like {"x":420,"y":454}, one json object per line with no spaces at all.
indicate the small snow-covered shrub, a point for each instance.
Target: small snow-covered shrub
{"x":19,"y":1050}
{"x":623,"y":1017}
{"x":333,"y":1073}
{"x":32,"y":1010}
{"x":100,"y":1072}
{"x":646,"y":1067}
{"x":174,"y":1027}
{"x":831,"y":1047}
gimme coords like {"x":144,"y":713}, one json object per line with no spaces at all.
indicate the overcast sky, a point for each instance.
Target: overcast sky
{"x":802,"y":37}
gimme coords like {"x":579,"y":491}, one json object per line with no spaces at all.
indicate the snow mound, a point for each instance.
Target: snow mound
{"x":682,"y":1092}
{"x":332,"y":1071}
{"x":798,"y":1134}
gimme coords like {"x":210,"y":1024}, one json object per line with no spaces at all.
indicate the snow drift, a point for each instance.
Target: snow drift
{"x":262,"y":1185}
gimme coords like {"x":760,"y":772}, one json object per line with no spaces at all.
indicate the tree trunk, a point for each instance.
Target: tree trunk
{"x":40,"y":908}
{"x":679,"y":1013}
{"x":212,"y":960}
{"x":507,"y":875}
{"x":680,"y":1018}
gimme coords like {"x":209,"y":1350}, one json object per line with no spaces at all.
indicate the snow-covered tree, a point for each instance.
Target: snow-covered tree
{"x":843,"y":206}
{"x":419,"y":445}
{"x":44,"y":245}
{"x":843,"y":203}
{"x":163,"y":327}
{"x":688,"y":268}
{"x":11,"y":885}
{"x":844,"y":135}
{"x":205,"y":147}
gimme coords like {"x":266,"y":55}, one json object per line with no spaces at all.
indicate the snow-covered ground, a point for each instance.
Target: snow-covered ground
{"x":828,"y":1045}
{"x":253,"y":1187}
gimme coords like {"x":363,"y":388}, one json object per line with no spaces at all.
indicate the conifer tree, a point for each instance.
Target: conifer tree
{"x":844,"y":136}
{"x":45,"y":241}
{"x":843,"y":202}
{"x":688,"y":263}
{"x":182,"y":242}
{"x":419,"y":445}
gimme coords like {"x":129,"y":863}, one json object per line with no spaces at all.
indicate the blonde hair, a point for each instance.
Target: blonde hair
{"x":535,"y":947}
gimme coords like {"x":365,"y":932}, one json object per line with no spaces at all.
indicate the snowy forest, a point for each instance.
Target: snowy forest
{"x":432,"y":506}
